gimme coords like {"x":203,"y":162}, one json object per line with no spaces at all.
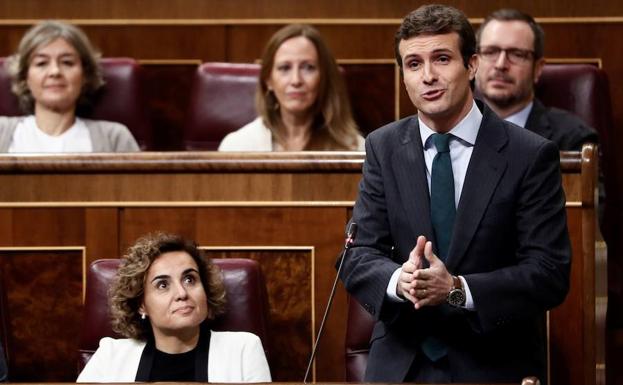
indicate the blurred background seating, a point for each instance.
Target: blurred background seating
{"x":222,"y":101}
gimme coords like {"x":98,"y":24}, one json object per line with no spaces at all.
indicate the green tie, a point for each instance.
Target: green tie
{"x":442,"y":209}
{"x":442,"y":213}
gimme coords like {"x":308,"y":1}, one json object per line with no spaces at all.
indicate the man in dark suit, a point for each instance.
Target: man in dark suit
{"x":462,"y":241}
{"x":510,"y":47}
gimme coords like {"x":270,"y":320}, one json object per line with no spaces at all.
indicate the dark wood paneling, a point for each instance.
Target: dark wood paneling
{"x":288,"y":275}
{"x":170,"y":42}
{"x":246,"y":42}
{"x":43,"y":291}
{"x":206,"y":43}
{"x":48,"y":227}
{"x":6,"y":227}
{"x":101,"y":233}
{"x":372,"y":107}
{"x":136,"y":222}
{"x":168,"y":88}
{"x":215,"y":9}
{"x":406,"y":107}
{"x":565,"y":349}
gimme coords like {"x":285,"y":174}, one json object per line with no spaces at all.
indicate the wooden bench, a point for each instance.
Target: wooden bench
{"x":288,"y":211}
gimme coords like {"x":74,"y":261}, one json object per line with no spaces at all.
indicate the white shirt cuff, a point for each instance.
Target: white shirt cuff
{"x":391,"y":287}
{"x":469,"y":301}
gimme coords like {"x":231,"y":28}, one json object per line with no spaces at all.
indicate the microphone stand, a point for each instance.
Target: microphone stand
{"x":350,"y":237}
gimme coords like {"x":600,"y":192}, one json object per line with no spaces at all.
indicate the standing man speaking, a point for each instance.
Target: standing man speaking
{"x":462,"y":239}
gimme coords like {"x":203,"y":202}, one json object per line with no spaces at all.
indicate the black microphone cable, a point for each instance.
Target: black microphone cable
{"x":350,"y":238}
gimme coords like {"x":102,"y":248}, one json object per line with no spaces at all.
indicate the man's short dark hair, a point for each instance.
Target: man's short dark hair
{"x":437,"y":19}
{"x":508,"y":14}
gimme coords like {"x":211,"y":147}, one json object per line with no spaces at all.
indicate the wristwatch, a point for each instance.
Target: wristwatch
{"x":456,"y":296}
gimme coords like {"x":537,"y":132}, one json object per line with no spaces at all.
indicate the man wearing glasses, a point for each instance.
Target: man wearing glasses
{"x":510,"y":47}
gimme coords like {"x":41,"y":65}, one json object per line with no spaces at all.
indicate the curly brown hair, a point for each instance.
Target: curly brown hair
{"x":127,"y":290}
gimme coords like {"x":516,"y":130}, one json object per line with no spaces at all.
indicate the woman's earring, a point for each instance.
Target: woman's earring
{"x":143,"y":316}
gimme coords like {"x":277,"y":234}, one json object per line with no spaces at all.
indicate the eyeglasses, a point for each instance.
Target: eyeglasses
{"x":514,"y":55}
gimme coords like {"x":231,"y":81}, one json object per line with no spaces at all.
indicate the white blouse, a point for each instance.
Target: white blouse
{"x":29,"y":138}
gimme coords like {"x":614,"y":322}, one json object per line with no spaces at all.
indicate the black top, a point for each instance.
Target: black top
{"x":190,"y":366}
{"x":173,"y":367}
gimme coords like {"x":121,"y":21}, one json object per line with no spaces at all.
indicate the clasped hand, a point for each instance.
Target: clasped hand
{"x":424,"y":287}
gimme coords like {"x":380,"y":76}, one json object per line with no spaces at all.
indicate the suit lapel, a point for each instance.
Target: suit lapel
{"x":410,"y":170}
{"x":537,"y":120}
{"x":485,"y":169}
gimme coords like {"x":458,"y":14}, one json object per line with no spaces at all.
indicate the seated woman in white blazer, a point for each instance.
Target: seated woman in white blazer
{"x":164,"y":295}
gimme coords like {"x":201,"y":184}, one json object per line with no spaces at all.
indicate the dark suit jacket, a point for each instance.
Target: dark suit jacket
{"x":4,"y":371}
{"x":510,"y":242}
{"x":568,"y":131}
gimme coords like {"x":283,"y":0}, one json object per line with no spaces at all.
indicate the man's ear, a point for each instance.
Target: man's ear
{"x":472,"y":66}
{"x":538,"y":69}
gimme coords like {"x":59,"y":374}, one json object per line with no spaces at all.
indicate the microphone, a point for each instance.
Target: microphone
{"x":350,"y":238}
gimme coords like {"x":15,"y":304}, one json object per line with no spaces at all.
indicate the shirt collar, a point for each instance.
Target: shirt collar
{"x":520,"y":117}
{"x":466,"y":129}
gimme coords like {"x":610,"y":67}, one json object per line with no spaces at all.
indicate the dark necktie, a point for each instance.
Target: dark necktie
{"x":442,"y":213}
{"x":442,"y":209}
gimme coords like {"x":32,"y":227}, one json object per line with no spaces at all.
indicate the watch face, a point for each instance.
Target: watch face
{"x":456,"y":297}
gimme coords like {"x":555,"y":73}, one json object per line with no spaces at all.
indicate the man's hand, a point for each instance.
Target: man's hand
{"x":405,"y":281}
{"x":430,"y":287}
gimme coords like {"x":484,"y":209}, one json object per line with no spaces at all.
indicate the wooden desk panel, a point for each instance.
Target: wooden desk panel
{"x":271,"y":207}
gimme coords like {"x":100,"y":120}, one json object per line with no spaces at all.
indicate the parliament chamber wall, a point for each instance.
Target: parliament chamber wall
{"x":170,"y":38}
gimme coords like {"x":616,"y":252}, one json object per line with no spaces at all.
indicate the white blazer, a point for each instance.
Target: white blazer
{"x":233,"y":357}
{"x":255,"y":136}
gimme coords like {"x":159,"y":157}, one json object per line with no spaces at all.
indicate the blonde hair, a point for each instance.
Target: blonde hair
{"x":333,"y":127}
{"x":126,"y":292}
{"x":41,"y":35}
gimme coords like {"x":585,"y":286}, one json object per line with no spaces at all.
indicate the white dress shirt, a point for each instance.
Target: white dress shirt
{"x":520,"y":117}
